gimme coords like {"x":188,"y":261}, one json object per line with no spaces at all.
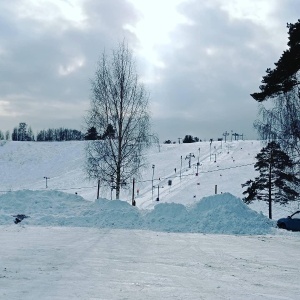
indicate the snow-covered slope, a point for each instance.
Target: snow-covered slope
{"x":223,"y":167}
{"x":73,"y":247}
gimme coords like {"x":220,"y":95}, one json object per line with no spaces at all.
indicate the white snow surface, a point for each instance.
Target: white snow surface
{"x":191,"y":244}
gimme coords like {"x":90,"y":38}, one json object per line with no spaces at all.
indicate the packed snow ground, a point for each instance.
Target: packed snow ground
{"x":86,"y":263}
{"x":191,"y":244}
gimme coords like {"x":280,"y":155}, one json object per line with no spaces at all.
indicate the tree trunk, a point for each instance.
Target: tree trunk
{"x":270,"y":187}
{"x":118,"y":182}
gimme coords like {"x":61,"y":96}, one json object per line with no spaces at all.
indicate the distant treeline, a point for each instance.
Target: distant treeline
{"x":25,"y":133}
{"x":60,"y":134}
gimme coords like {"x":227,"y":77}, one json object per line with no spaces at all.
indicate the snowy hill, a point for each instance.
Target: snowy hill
{"x":223,"y":167}
{"x":191,"y":244}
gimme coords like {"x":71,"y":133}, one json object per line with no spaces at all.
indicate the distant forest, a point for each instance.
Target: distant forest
{"x":24,"y":133}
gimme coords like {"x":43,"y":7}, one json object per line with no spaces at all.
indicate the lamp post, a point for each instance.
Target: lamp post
{"x":153,"y":167}
{"x":198,"y":163}
{"x":46,"y":180}
{"x":157,"y":199}
{"x":180,"y":166}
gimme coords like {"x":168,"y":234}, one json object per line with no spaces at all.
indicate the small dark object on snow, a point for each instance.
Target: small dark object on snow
{"x":19,"y":218}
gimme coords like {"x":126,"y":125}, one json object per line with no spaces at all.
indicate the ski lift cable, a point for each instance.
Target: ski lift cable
{"x":203,"y":172}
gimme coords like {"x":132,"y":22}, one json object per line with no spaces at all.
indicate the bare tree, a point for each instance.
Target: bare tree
{"x":7,"y":134}
{"x":118,"y":101}
{"x":281,"y":123}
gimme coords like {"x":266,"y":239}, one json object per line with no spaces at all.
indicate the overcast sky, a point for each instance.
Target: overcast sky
{"x":200,"y":60}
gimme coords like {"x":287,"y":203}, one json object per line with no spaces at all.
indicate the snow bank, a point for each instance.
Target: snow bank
{"x":223,"y":213}
{"x":227,"y":214}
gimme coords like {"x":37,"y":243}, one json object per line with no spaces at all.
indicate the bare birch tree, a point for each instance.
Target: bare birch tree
{"x":120,"y":102}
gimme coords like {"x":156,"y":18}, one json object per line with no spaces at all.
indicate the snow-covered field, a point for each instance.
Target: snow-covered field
{"x":191,"y":244}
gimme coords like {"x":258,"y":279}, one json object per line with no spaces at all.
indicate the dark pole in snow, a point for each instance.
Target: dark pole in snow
{"x":153,"y":167}
{"x":98,"y":188}
{"x":157,"y":199}
{"x":198,"y":163}
{"x":46,"y":180}
{"x":180,"y":166}
{"x":133,"y":201}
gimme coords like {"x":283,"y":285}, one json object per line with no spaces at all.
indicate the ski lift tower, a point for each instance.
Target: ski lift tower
{"x":189,"y":157}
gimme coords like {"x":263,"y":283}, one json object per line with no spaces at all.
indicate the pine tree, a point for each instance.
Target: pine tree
{"x":22,"y":132}
{"x":275,"y":182}
{"x":91,"y":134}
{"x":14,"y":135}
{"x":188,"y":139}
{"x":109,"y":132}
{"x":283,"y":78}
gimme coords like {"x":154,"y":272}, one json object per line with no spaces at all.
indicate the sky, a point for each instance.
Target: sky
{"x":199,"y":60}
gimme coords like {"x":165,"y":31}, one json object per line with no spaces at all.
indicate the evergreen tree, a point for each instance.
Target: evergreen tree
{"x":14,"y":135}
{"x":275,"y":180}
{"x":22,"y":132}
{"x":91,"y":134}
{"x":109,"y":132}
{"x":283,"y":78}
{"x":188,"y":139}
{"x":40,"y":137}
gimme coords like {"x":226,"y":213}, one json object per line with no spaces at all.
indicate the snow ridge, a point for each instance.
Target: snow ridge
{"x":218,"y":214}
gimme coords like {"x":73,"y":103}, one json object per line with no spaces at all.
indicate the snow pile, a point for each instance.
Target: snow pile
{"x":227,"y":214}
{"x":224,"y":213}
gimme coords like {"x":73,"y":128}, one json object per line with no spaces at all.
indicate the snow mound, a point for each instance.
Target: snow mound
{"x":227,"y":214}
{"x":171,"y":217}
{"x":223,"y":213}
